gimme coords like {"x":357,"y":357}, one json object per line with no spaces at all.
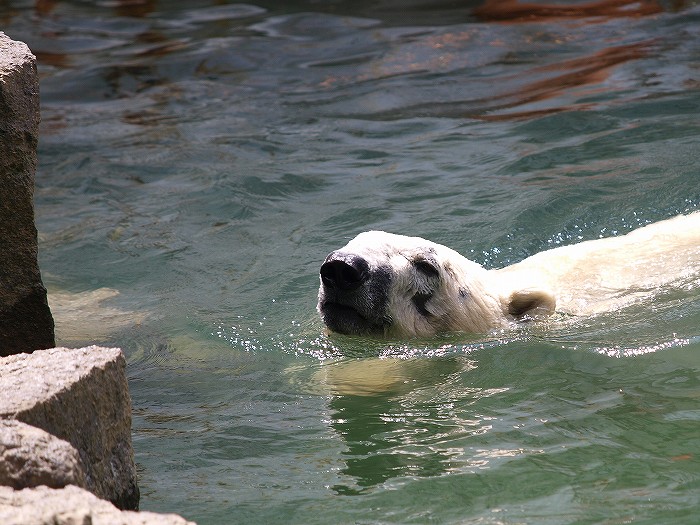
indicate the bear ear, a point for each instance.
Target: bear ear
{"x":531,"y":304}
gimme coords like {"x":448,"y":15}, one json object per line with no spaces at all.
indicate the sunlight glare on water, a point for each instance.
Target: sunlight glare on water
{"x":199,"y":160}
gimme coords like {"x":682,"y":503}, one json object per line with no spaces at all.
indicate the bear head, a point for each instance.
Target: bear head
{"x":382,"y":284}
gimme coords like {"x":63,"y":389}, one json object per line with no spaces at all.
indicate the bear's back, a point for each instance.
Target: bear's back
{"x":606,"y":274}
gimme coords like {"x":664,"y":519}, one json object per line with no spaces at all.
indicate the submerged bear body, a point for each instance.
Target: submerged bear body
{"x":384,"y":284}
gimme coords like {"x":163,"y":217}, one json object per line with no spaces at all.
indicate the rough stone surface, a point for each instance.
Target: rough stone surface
{"x":30,"y":457}
{"x":71,"y":506}
{"x":25,"y":319}
{"x":80,"y":396}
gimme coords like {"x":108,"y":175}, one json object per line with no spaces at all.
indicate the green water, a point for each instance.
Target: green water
{"x":202,"y":158}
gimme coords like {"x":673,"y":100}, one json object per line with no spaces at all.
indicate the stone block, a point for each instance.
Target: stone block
{"x":25,"y":319}
{"x":30,"y":457}
{"x":71,"y":506}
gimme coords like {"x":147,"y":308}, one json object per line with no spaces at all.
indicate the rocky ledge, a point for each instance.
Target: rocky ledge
{"x":65,"y":439}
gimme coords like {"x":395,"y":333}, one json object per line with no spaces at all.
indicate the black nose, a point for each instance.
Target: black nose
{"x":344,"y":271}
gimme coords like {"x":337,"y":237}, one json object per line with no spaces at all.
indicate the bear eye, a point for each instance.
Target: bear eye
{"x":426,"y":267}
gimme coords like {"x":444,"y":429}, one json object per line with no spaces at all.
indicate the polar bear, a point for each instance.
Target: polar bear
{"x":382,"y":284}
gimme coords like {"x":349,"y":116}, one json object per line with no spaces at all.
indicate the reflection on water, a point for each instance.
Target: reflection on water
{"x":202,"y":159}
{"x":517,"y":12}
{"x":400,"y":417}
{"x":571,"y":74}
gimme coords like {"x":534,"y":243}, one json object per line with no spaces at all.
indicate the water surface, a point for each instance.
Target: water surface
{"x":197,"y":162}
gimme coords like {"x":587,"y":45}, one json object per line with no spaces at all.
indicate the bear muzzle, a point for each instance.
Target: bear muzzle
{"x":352,"y":298}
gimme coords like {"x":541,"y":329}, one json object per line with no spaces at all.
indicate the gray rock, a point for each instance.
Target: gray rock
{"x":80,"y":396}
{"x":30,"y":457}
{"x":25,"y":319}
{"x":71,"y":506}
